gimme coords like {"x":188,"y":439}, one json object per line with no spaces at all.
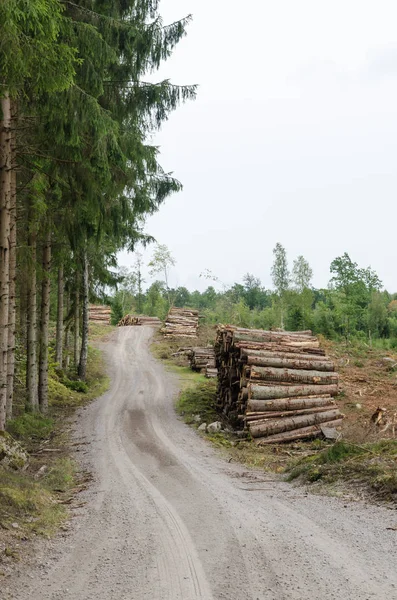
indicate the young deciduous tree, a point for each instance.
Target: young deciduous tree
{"x":281,"y":277}
{"x":161,"y":262}
{"x":301,"y":274}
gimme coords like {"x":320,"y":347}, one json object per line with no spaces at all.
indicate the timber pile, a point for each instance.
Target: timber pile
{"x":138,"y":320}
{"x":203,"y":359}
{"x":181,"y":322}
{"x":99,"y":314}
{"x":279,"y":384}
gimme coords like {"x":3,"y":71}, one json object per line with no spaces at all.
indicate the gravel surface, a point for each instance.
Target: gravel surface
{"x":167,"y":519}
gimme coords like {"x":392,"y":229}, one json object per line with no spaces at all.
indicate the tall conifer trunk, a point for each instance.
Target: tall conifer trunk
{"x":67,"y":333}
{"x":59,"y":330}
{"x":44,"y":323}
{"x":76,"y":323}
{"x":12,"y":270}
{"x":5,"y":206}
{"x":82,"y":370}
{"x":31,"y":364}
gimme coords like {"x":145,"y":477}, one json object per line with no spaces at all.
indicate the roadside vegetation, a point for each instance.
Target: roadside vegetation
{"x":36,"y":495}
{"x":362,"y":464}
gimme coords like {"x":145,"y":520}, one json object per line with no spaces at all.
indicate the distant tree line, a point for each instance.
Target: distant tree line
{"x":354,"y":305}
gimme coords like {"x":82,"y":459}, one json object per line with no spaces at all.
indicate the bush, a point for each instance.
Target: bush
{"x":76,"y":385}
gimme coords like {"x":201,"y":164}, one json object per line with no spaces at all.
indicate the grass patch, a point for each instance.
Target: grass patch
{"x":33,"y":506}
{"x":198,"y":398}
{"x":372,"y":465}
{"x":30,"y":427}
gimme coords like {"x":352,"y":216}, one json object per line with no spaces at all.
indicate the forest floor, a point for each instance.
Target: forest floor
{"x":36,"y":501}
{"x":363,"y":464}
{"x":166,"y":517}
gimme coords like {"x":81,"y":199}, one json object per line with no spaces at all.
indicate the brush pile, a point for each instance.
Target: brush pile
{"x":279,"y":384}
{"x":203,"y":359}
{"x":137,"y":320}
{"x":99,"y":314}
{"x":181,"y":322}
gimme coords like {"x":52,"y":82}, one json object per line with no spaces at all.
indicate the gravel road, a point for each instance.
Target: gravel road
{"x":168,"y":519}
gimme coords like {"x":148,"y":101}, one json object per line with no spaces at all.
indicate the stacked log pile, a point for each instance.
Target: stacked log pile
{"x":138,"y":320}
{"x":99,"y":314}
{"x":279,"y":384}
{"x":203,"y":359}
{"x":181,"y":322}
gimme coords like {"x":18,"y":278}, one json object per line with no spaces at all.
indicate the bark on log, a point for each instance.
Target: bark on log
{"x":263,"y":392}
{"x":287,"y":403}
{"x":292,"y":375}
{"x":265,"y":416}
{"x":290,"y":363}
{"x":288,"y":424}
{"x":297,"y":434}
{"x":299,"y":342}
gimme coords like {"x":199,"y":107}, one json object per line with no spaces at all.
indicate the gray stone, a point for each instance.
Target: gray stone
{"x":12,"y":455}
{"x":390,"y":363}
{"x":330,"y":433}
{"x":203,"y":427}
{"x":215,"y":427}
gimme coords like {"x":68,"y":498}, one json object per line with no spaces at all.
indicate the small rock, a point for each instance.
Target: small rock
{"x":215,"y":427}
{"x":15,"y":525}
{"x":241,"y":434}
{"x":203,"y":427}
{"x":330,"y":433}
{"x":390,"y":363}
{"x":359,"y":406}
{"x":40,"y":472}
{"x":12,"y":455}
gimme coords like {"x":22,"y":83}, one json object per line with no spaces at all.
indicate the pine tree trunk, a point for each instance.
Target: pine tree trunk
{"x":31,"y":365}
{"x":67,"y":333}
{"x":12,"y":271}
{"x":5,"y":204}
{"x":59,"y":330}
{"x":82,"y":370}
{"x":44,"y":324}
{"x":77,"y":323}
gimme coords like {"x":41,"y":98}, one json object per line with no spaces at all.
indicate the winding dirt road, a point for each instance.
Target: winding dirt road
{"x":167,"y":519}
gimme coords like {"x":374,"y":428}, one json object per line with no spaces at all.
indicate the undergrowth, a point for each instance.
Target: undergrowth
{"x":33,"y":505}
{"x":32,"y":502}
{"x":373,"y":465}
{"x":198,"y":400}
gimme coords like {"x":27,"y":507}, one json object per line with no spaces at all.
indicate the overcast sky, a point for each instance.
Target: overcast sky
{"x":292,"y":138}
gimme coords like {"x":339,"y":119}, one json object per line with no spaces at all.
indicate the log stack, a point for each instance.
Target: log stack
{"x":181,"y":322}
{"x":203,"y":359}
{"x":279,"y":384}
{"x":138,"y":320}
{"x":99,"y":314}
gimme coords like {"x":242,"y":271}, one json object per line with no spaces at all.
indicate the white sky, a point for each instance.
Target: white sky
{"x":292,"y":138}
